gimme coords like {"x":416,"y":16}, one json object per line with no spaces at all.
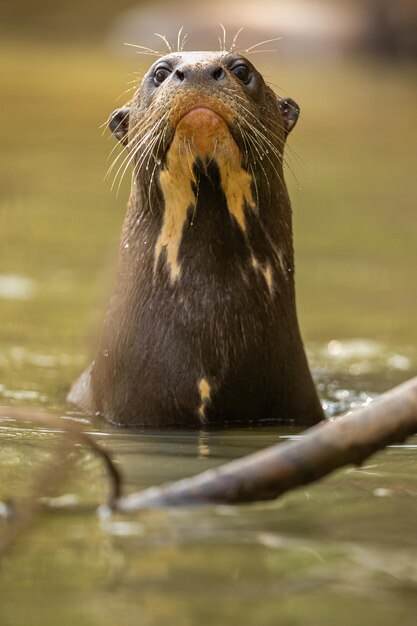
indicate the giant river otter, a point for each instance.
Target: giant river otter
{"x":202,"y":326}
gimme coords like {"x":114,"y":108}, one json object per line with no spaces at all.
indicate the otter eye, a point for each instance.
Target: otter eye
{"x":242,"y":73}
{"x":161,"y":73}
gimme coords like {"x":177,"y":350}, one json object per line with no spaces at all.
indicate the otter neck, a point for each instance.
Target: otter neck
{"x":211,"y":209}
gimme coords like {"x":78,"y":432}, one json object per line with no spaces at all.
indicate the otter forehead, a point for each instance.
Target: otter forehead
{"x":194,"y":57}
{"x":201,"y":57}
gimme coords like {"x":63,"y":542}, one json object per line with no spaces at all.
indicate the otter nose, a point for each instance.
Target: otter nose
{"x":198,"y":73}
{"x":217,"y":73}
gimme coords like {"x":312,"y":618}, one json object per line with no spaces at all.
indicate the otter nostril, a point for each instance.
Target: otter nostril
{"x":179,"y":74}
{"x":218,"y":73}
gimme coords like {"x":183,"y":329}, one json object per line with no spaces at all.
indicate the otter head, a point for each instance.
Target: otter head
{"x":208,"y":104}
{"x":201,"y":116}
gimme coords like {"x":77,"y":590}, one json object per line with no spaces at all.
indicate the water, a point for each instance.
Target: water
{"x":340,"y":551}
{"x":345,"y":546}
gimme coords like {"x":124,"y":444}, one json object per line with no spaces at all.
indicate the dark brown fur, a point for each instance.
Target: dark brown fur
{"x":202,"y":327}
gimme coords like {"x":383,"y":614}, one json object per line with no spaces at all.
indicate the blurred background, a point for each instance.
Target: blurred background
{"x":64,"y":67}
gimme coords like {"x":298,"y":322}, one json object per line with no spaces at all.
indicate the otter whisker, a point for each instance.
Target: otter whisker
{"x":269,"y":146}
{"x":179,"y":38}
{"x":119,"y":155}
{"x":275,"y":123}
{"x":189,"y":153}
{"x":186,"y":142}
{"x":258,"y":161}
{"x":144,"y":49}
{"x":245,"y":139}
{"x":117,"y":127}
{"x":129,"y":157}
{"x":216,"y":143}
{"x":115,"y":147}
{"x":143,"y":128}
{"x":262,"y":152}
{"x":263,"y":141}
{"x":261,"y":50}
{"x":234,"y":42}
{"x":148,"y":149}
{"x":129,"y":89}
{"x":161,"y":139}
{"x":256,"y":117}
{"x":264,"y":144}
{"x":150,"y":186}
{"x":165,"y":40}
{"x":223,"y":43}
{"x":247,"y":50}
{"x":197,"y":194}
{"x":248,"y":148}
{"x":183,"y":42}
{"x":151,"y":153}
{"x":122,"y":153}
{"x":144,"y":153}
{"x":126,"y":163}
{"x":255,"y":183}
{"x":131,"y":160}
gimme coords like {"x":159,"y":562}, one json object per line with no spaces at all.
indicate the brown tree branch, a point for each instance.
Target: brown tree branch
{"x":267,"y":474}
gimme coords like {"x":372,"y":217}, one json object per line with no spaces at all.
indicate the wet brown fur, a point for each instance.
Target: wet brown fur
{"x":202,"y":327}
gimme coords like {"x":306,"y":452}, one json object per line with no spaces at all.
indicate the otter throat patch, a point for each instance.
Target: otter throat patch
{"x":178,"y":182}
{"x":236,"y":184}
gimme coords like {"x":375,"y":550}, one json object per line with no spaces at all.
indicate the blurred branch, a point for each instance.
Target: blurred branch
{"x":45,"y":484}
{"x":267,"y":474}
{"x":54,"y":473}
{"x":46,"y":418}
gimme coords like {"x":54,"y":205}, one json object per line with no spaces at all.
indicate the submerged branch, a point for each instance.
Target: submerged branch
{"x":267,"y":474}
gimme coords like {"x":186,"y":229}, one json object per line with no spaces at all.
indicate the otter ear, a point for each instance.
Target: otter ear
{"x":119,"y":124}
{"x":289,"y":112}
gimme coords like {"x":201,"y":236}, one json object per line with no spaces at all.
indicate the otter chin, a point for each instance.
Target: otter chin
{"x":202,"y":327}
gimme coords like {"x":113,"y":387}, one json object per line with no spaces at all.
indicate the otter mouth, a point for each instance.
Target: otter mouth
{"x":201,"y":111}
{"x":204,"y":128}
